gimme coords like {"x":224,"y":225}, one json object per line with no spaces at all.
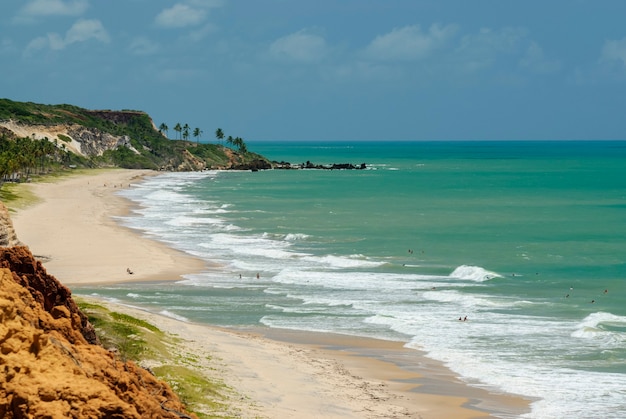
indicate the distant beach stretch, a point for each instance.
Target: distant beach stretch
{"x":74,"y":229}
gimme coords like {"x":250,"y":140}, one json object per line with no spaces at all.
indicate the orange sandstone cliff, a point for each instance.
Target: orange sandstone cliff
{"x":51,"y":365}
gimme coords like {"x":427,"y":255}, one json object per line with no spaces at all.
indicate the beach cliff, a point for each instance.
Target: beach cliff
{"x":51,"y":361}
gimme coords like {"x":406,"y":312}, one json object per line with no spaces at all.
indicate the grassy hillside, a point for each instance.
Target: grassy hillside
{"x":155,"y":150}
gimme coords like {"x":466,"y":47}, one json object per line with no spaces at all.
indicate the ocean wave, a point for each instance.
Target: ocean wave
{"x":342,"y":262}
{"x":468,"y":301}
{"x":174,"y":316}
{"x":600,"y":326}
{"x":296,"y":236}
{"x":473,"y":273}
{"x":185,"y":221}
{"x":290,"y":237}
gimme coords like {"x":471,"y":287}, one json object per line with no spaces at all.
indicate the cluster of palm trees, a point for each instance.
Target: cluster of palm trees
{"x":236,"y":141}
{"x":182,"y":130}
{"x":24,"y":156}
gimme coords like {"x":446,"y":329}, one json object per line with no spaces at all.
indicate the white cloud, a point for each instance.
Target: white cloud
{"x":201,"y":33}
{"x":615,"y":51}
{"x":86,"y":29}
{"x":481,"y":50}
{"x":143,"y":46}
{"x":55,"y":7}
{"x":181,"y":15}
{"x":83,"y":30}
{"x":300,"y":46}
{"x":535,"y":61}
{"x":409,"y":43}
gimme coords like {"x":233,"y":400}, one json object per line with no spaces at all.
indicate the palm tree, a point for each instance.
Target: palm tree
{"x":163,"y":128}
{"x":186,"y":132}
{"x":197,"y":133}
{"x":219,"y":134}
{"x":230,"y":140}
{"x":238,"y":142}
{"x":178,"y":128}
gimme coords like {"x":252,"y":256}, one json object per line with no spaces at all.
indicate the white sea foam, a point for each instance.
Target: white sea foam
{"x":175,"y":316}
{"x":601,"y":328}
{"x":342,"y":262}
{"x":296,"y":237}
{"x":473,"y":273}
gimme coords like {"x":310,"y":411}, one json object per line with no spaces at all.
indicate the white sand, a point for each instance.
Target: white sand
{"x":72,"y":227}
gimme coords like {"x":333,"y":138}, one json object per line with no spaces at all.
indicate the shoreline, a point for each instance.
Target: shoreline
{"x":74,"y":231}
{"x":281,"y":372}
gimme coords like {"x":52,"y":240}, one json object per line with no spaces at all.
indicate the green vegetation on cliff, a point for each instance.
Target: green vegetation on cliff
{"x":145,"y":344}
{"x":133,"y":142}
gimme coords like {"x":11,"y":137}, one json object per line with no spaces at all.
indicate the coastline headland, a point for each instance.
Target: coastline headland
{"x":274,"y":373}
{"x":66,"y":136}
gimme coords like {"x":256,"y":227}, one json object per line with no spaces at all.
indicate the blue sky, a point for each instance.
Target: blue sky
{"x":329,"y":69}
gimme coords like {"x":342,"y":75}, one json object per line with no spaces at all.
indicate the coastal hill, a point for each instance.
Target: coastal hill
{"x":53,"y":365}
{"x":127,"y":139}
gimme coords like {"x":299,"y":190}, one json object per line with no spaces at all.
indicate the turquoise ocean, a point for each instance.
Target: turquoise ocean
{"x":525,"y":239}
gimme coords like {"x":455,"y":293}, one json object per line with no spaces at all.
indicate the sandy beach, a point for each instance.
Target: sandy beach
{"x":278,"y":374}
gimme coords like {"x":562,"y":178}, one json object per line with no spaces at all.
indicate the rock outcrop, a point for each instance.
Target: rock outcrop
{"x":8,"y":238}
{"x":80,"y":140}
{"x":309,"y":165}
{"x":90,"y":142}
{"x":51,"y":296}
{"x":51,"y":365}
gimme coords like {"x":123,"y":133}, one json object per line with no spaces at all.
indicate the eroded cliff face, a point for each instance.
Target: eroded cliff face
{"x":51,"y":365}
{"x":50,"y":295}
{"x":86,"y":142}
{"x":8,"y":238}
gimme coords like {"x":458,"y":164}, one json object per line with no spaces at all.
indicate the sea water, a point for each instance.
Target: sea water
{"x":504,"y":260}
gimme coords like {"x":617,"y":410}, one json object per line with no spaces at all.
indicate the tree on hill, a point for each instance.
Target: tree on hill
{"x":186,"y":132}
{"x":219,"y":134}
{"x":163,"y":128}
{"x":240,"y":144}
{"x":21,"y":157}
{"x":178,"y":128}
{"x":197,"y":133}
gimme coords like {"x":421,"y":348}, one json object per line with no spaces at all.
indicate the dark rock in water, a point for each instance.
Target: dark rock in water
{"x":254,"y":165}
{"x":308,"y":165}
